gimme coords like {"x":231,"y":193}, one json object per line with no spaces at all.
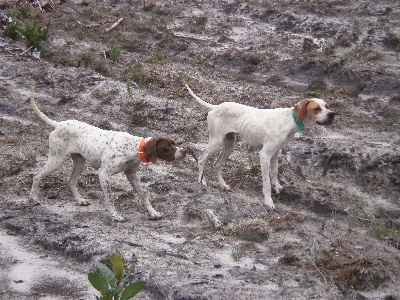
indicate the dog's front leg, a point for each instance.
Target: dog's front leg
{"x":265,"y":161}
{"x":105,"y":181}
{"x":274,"y":173}
{"x":143,"y":197}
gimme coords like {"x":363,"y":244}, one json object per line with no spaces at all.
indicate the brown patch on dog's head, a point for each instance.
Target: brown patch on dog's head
{"x":300,"y":109}
{"x":161,"y":147}
{"x":314,"y":110}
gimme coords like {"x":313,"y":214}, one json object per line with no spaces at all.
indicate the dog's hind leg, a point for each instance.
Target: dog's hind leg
{"x":105,"y":182}
{"x":53,"y":164}
{"x":78,"y":166}
{"x":227,"y":148}
{"x":214,"y":144}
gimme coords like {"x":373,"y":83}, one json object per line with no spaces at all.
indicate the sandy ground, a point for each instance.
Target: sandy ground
{"x":335,"y":232}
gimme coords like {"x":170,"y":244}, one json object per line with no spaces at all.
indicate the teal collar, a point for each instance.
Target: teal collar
{"x":297,"y":121}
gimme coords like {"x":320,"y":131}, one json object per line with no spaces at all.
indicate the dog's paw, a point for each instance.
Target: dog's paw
{"x":225,"y":187}
{"x":269,"y":203}
{"x":117,"y":218}
{"x":156,"y":216}
{"x":31,"y":203}
{"x":82,"y":202}
{"x":202,"y":182}
{"x":278,"y":188}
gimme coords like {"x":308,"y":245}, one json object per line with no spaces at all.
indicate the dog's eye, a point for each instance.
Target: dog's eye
{"x":317,"y":109}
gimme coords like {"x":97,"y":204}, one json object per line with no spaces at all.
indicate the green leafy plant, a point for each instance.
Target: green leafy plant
{"x":32,"y":31}
{"x":13,"y":30}
{"x":24,"y":11}
{"x":34,"y":34}
{"x":112,"y":283}
{"x":238,"y":253}
{"x":114,"y":52}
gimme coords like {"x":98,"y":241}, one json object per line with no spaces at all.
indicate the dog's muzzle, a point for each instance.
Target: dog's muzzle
{"x":329,"y":119}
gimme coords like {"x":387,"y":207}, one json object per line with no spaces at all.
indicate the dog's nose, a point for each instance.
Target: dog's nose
{"x":331,"y":115}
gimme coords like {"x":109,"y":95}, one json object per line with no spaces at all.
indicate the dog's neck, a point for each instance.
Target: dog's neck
{"x":299,"y":124}
{"x":143,"y":157}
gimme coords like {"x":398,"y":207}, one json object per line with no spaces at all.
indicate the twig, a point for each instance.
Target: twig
{"x":363,"y":219}
{"x":317,"y":269}
{"x":114,"y":25}
{"x":213,"y":219}
{"x":30,"y":48}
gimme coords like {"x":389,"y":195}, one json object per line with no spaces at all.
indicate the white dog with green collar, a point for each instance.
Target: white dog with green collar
{"x":264,"y":129}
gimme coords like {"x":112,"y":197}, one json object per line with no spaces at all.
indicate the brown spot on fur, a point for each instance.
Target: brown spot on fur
{"x":307,"y":108}
{"x":312,"y":109}
{"x":300,"y":109}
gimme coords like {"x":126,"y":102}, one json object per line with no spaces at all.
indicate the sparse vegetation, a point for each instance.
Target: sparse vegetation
{"x":356,"y":26}
{"x":114,"y":52}
{"x":32,"y":31}
{"x":240,"y":169}
{"x":108,"y":220}
{"x":155,"y":58}
{"x":336,"y":219}
{"x":112,"y":284}
{"x":13,"y":30}
{"x":384,"y":229}
{"x":24,"y":11}
{"x":34,"y":34}
{"x":129,"y":87}
{"x":238,"y":253}
{"x":3,"y":171}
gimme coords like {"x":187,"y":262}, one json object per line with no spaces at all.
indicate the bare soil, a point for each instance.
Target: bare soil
{"x":335,"y":232}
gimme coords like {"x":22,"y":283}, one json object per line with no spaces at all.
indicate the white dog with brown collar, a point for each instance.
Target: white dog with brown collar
{"x":264,"y":129}
{"x":109,"y":152}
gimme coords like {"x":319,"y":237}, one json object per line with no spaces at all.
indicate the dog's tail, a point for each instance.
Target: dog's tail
{"x":201,"y":102}
{"x":39,"y":113}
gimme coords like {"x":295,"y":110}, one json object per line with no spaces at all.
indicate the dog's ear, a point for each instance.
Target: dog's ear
{"x":300,"y":109}
{"x":149,"y":149}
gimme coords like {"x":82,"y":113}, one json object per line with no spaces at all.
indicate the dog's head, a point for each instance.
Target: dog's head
{"x":161,"y":147}
{"x":315,"y":110}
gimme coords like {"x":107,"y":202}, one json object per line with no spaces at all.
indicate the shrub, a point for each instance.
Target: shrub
{"x":13,"y":30}
{"x":384,"y":230}
{"x":238,"y":253}
{"x":24,"y":11}
{"x":111,"y":283}
{"x":114,"y":52}
{"x":34,"y":34}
